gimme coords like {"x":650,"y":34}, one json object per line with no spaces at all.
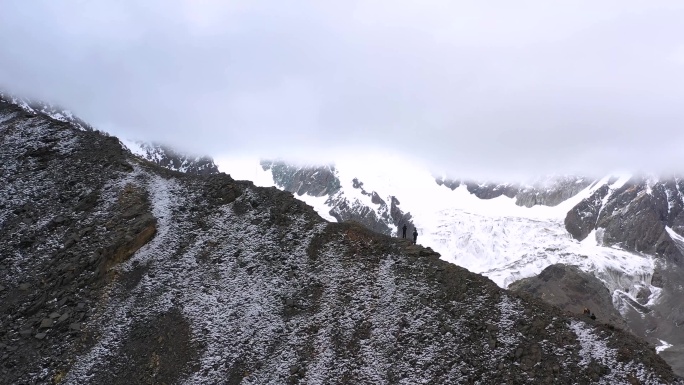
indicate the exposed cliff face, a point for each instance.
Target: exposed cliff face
{"x":581,"y":219}
{"x":117,"y":270}
{"x":634,"y":216}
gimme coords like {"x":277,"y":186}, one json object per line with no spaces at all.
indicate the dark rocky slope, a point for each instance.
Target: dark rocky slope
{"x":117,"y":271}
{"x":572,"y":290}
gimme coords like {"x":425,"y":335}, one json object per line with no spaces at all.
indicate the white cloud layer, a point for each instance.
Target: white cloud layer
{"x":492,"y":89}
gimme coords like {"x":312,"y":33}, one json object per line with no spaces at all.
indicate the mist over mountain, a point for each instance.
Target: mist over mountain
{"x":485,"y":91}
{"x":115,"y":269}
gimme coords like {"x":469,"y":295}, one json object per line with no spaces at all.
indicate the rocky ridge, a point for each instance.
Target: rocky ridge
{"x":116,"y":269}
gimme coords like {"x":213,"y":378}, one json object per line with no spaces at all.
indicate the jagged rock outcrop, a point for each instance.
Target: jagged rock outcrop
{"x":447,"y":182}
{"x":572,"y":290}
{"x":240,"y":284}
{"x":485,"y":190}
{"x":633,"y":216}
{"x":581,"y":220}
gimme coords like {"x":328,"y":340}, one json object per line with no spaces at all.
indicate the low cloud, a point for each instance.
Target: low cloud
{"x":494,"y":90}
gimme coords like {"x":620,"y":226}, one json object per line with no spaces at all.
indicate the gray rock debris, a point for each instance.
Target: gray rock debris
{"x":46,"y":323}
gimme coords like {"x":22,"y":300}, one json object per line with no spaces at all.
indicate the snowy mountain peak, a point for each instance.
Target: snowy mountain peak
{"x":167,"y":157}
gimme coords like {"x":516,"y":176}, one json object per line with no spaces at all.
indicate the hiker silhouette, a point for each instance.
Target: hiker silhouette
{"x":415,"y":235}
{"x":589,"y":313}
{"x":403,"y":231}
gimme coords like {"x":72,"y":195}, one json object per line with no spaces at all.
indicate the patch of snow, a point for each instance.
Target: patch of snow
{"x":6,"y":116}
{"x":662,"y":346}
{"x":510,"y":310}
{"x":318,"y":203}
{"x":593,"y":347}
{"x":346,"y":177}
{"x":678,"y":239}
{"x":655,"y":297}
{"x":650,"y":182}
{"x":134,"y":147}
{"x":246,"y":168}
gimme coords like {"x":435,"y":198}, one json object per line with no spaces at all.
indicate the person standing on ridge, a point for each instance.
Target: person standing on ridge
{"x":403,"y":231}
{"x":415,"y":235}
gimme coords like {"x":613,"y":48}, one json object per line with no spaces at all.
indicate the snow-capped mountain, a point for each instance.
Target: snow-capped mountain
{"x":167,"y":157}
{"x":115,"y":270}
{"x":34,"y":107}
{"x":626,"y":231}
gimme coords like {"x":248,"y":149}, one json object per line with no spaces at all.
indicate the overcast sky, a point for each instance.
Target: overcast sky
{"x":492,"y":88}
